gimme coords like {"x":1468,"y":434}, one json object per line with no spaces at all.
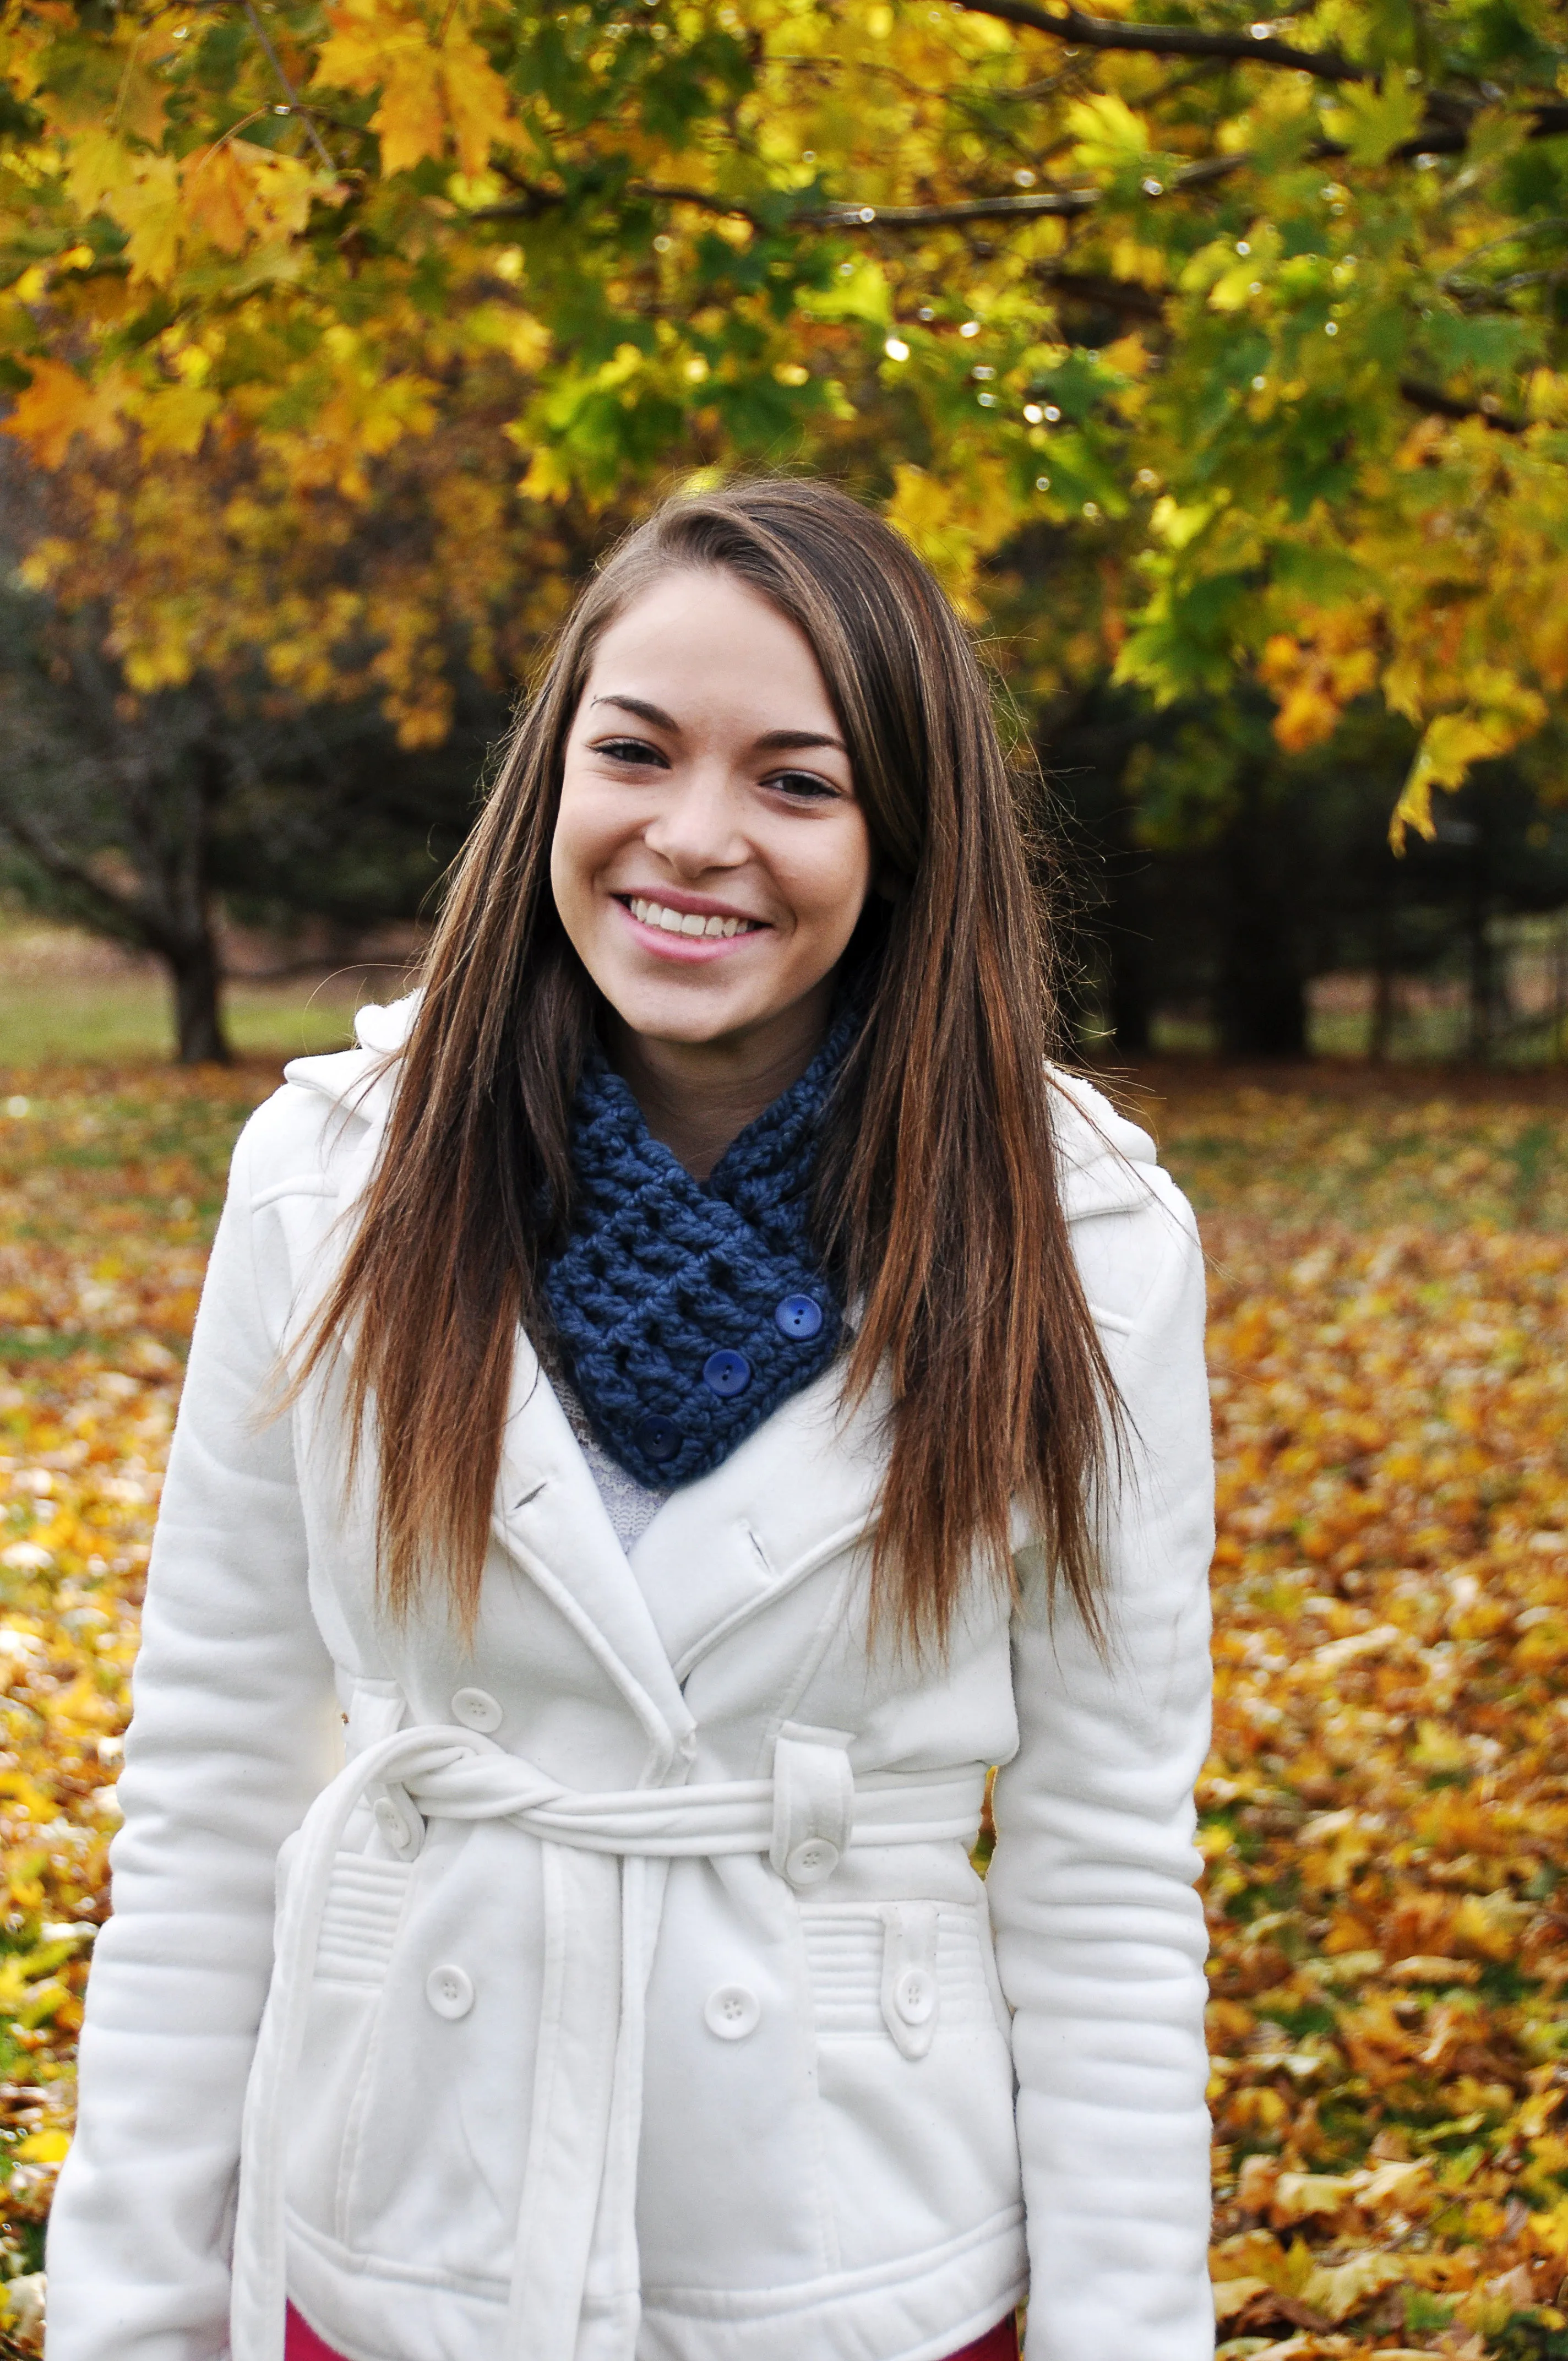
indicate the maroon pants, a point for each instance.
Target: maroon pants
{"x":999,"y":2344}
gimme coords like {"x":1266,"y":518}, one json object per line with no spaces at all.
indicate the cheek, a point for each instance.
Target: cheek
{"x":582,"y":842}
{"x":830,"y":888}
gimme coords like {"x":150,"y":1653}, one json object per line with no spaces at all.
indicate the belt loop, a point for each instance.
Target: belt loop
{"x":400,"y":1821}
{"x":813,"y":1802}
{"x":910,"y":1994}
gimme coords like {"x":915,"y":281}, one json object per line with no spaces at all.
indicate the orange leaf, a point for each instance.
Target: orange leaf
{"x":59,"y":405}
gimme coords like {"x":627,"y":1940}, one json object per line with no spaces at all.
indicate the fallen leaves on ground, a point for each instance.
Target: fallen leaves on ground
{"x":110,"y":1184}
{"x":1385,"y":1810}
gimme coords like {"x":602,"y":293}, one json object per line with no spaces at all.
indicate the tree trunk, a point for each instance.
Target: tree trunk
{"x":1129,"y":979}
{"x":1131,"y":999}
{"x":1132,"y":966}
{"x":197,"y":982}
{"x":1260,"y":996}
{"x":1385,"y":975}
{"x":163,"y":766}
{"x":1482,"y":963}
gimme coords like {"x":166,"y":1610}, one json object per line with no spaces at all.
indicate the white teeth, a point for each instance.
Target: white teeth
{"x":688,"y":922}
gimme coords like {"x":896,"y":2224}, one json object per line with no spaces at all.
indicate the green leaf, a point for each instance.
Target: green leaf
{"x":1373,"y":121}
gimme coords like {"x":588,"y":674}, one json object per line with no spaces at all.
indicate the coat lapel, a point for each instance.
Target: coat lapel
{"x":550,"y":1521}
{"x":802,"y":1488}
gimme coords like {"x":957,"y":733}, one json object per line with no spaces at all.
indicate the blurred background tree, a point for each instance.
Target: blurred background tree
{"x":1216,"y":363}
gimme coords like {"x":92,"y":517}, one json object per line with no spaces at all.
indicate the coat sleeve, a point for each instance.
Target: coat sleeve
{"x":1101,"y":1939}
{"x":232,"y":1735}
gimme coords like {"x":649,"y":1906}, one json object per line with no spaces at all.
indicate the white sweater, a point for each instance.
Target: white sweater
{"x":633,"y":1997}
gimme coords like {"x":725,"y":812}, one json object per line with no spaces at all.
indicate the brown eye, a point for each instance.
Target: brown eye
{"x":804,"y":787}
{"x":631,"y":750}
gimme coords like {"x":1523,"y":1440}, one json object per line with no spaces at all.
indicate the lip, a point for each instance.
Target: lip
{"x":687,"y":950}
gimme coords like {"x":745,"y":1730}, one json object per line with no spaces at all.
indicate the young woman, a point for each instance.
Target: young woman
{"x":685,"y":1396}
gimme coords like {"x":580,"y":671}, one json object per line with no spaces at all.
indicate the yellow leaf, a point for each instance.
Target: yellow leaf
{"x":148,"y":208}
{"x":1490,"y":1923}
{"x":410,"y":121}
{"x":1450,"y":744}
{"x":175,"y":417}
{"x":100,"y":163}
{"x":430,"y":90}
{"x":355,"y":52}
{"x":1108,"y":132}
{"x":1548,"y":2230}
{"x":1231,"y":2296}
{"x":1338,"y":2290}
{"x":477,"y":101}
{"x":43,"y":2147}
{"x":1393,"y":2184}
{"x":1235,"y":288}
{"x":1433,"y":1968}
{"x":1302,"y":2196}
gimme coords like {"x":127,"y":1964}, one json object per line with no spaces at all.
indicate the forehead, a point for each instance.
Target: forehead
{"x":706,"y":636}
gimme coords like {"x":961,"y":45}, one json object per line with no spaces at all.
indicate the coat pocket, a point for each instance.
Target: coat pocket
{"x":913,"y":2073}
{"x":364,"y":1909}
{"x":899,"y":1970}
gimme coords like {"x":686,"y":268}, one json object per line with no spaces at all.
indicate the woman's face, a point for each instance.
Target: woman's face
{"x":710,"y":858}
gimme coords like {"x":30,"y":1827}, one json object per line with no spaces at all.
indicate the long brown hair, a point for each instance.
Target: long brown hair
{"x":938,"y":1204}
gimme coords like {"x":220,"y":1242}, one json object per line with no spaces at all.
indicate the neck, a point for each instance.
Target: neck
{"x":696,"y":1096}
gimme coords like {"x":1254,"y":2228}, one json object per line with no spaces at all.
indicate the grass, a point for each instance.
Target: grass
{"x":65,"y":998}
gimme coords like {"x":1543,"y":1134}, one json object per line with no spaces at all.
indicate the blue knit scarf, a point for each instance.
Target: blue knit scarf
{"x":688,"y":1310}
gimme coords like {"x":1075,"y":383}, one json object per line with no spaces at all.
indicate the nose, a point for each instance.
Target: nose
{"x":697,"y":827}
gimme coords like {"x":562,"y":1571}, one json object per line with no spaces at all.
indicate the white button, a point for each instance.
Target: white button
{"x":811,"y":1861}
{"x":687,"y":1746}
{"x":400,"y":1824}
{"x":731,"y":2012}
{"x":915,"y":1996}
{"x":449,"y":1992}
{"x":476,"y":1710}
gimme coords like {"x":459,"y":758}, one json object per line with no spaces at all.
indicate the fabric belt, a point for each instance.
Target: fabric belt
{"x":603,"y":1867}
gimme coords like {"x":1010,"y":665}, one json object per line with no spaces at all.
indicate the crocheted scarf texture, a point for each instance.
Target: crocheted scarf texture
{"x":688,"y":1310}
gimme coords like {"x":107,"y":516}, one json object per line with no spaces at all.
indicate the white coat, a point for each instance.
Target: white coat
{"x":633,"y":1997}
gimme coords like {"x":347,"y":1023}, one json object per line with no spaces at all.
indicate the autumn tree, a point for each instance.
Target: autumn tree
{"x":1202,"y":349}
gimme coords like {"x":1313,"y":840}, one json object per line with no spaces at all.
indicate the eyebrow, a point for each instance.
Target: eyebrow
{"x":771,"y":741}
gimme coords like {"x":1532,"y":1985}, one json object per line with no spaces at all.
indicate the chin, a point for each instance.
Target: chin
{"x":693,"y":1018}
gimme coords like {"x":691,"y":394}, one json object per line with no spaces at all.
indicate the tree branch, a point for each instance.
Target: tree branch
{"x":273,"y":59}
{"x":533,"y":200}
{"x":1069,"y":24}
{"x":1049,"y":201}
{"x":118,"y":912}
{"x":1438,"y":404}
{"x":1064,"y":203}
{"x":1124,"y":295}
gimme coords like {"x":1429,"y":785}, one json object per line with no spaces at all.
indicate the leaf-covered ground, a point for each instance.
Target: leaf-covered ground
{"x":1386,"y":1811}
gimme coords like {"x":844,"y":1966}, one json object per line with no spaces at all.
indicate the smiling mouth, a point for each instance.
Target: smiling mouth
{"x":686,"y":922}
